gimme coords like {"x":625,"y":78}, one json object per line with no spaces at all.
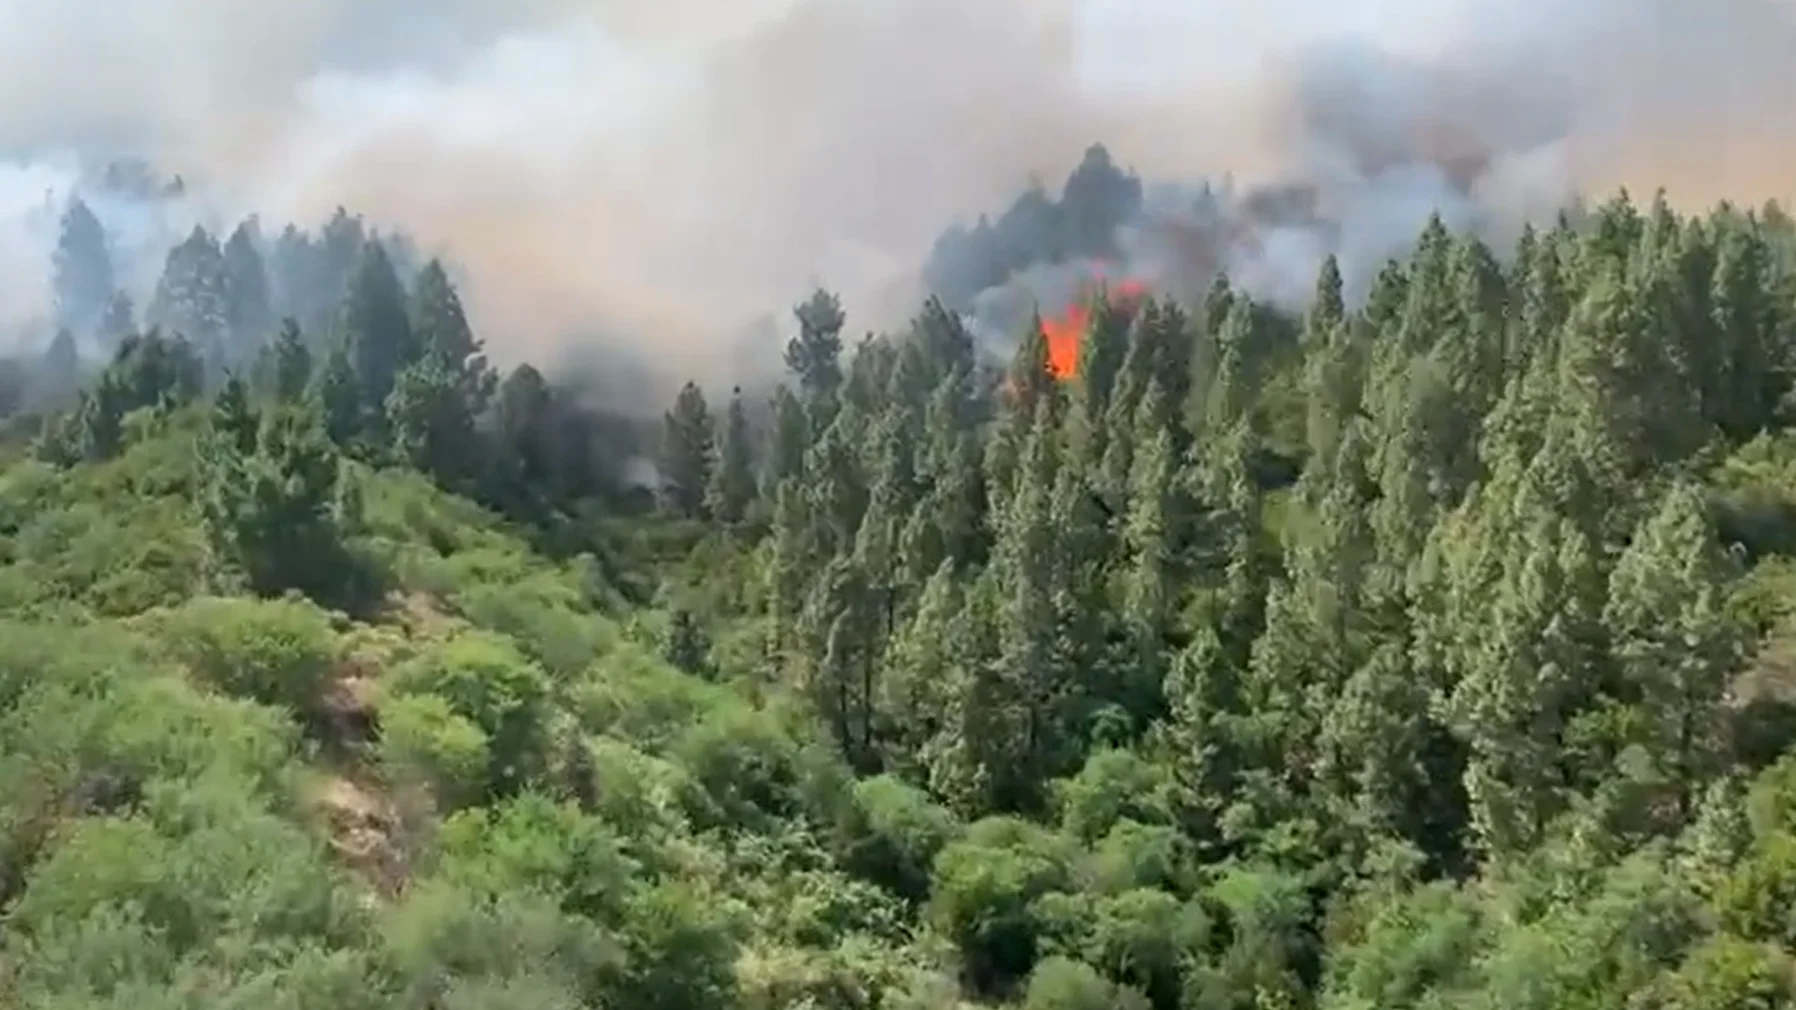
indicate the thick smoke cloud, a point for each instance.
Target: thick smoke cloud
{"x":606,"y":173}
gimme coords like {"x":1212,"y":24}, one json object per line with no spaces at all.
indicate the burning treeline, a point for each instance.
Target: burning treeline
{"x":1104,"y":239}
{"x":1065,"y":331}
{"x":1360,"y":175}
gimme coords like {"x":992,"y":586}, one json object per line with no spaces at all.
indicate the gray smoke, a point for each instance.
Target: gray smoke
{"x":606,"y":173}
{"x":1376,"y":144}
{"x":1489,"y":117}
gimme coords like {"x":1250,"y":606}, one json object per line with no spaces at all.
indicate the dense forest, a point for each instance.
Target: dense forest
{"x":1430,"y":652}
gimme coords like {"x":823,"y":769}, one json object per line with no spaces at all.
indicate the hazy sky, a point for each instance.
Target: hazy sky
{"x":661,"y":172}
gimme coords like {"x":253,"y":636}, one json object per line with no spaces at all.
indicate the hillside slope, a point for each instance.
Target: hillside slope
{"x":195,"y":811}
{"x":1432,"y":653}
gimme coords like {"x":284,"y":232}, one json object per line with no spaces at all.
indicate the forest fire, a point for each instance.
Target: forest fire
{"x":1066,"y":331}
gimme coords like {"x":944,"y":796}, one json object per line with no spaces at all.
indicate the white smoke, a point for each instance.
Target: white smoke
{"x":607,"y":172}
{"x":28,"y":218}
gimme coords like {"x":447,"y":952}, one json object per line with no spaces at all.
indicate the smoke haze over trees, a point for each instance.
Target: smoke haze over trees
{"x":589,"y":168}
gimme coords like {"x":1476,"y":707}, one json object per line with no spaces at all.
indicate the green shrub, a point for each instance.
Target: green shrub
{"x":423,"y":740}
{"x":279,"y":652}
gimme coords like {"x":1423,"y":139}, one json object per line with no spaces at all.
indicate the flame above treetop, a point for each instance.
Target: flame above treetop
{"x":1065,"y":331}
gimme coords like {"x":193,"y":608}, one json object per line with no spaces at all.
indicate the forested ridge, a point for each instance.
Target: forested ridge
{"x":1433,"y":652}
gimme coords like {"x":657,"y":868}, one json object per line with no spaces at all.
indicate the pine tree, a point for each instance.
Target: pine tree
{"x":1384,"y":303}
{"x":1675,"y":639}
{"x":1085,"y":615}
{"x":119,"y":321}
{"x":891,"y":502}
{"x":156,"y":371}
{"x":814,"y":356}
{"x":341,"y":249}
{"x":1333,"y":386}
{"x":1230,"y":397}
{"x":1612,"y":233}
{"x":789,"y":441}
{"x":913,"y":378}
{"x":1174,"y":364}
{"x":1031,"y":676}
{"x":732,"y":486}
{"x":432,"y":428}
{"x":1514,"y":633}
{"x":282,"y":514}
{"x":193,"y":297}
{"x":249,"y":310}
{"x":1740,"y":384}
{"x":1321,"y":633}
{"x":526,"y":408}
{"x":942,"y":340}
{"x":1429,"y":296}
{"x":1233,"y":542}
{"x":83,"y":283}
{"x":1618,"y":380}
{"x":99,"y":431}
{"x":1219,"y":302}
{"x":1030,"y":380}
{"x":438,"y":397}
{"x":1384,"y":762}
{"x":870,"y":372}
{"x":438,"y":320}
{"x":377,"y":329}
{"x":685,"y":647}
{"x":1150,"y":532}
{"x":836,"y":484}
{"x":922,"y":665}
{"x":948,"y":524}
{"x":975,"y":758}
{"x":441,"y":331}
{"x":286,"y":366}
{"x":1136,"y":376}
{"x":1412,"y":434}
{"x":791,"y":551}
{"x":1098,"y":198}
{"x":687,"y":449}
{"x":339,"y":397}
{"x":1102,"y":350}
{"x":1029,"y":388}
{"x":233,"y":420}
{"x":1471,"y":342}
{"x":58,"y":444}
{"x":1328,"y":311}
{"x":1539,"y":301}
{"x":837,"y":627}
{"x":297,"y":281}
{"x":60,"y":366}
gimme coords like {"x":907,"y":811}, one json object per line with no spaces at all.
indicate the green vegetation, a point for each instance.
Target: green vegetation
{"x":1434,"y":654}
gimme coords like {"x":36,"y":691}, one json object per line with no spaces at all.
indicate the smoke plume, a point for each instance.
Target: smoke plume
{"x":607,"y":174}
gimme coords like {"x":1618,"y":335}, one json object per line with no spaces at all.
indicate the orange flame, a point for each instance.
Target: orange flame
{"x":1066,"y":331}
